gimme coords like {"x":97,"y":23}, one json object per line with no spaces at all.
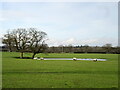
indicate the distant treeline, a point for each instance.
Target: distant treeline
{"x":77,"y":49}
{"x":84,"y":49}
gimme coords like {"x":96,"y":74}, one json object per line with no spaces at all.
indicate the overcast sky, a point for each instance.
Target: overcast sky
{"x":76,"y":23}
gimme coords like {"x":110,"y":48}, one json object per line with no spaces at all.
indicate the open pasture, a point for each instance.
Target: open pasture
{"x":29,"y":73}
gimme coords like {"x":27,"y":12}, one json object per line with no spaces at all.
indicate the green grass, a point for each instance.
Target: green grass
{"x":28,"y":73}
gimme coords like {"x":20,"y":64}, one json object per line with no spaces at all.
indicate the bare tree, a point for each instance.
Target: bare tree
{"x":107,"y":47}
{"x":36,"y":41}
{"x":20,"y":36}
{"x":8,"y":40}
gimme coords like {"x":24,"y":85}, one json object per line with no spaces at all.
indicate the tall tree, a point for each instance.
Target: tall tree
{"x":8,"y":40}
{"x":107,"y":47}
{"x":36,"y":41}
{"x":20,"y":39}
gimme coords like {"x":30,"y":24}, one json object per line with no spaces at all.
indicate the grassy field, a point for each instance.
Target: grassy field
{"x":28,"y":73}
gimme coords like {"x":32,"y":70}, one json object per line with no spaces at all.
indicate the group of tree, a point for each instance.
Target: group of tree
{"x":107,"y":48}
{"x":25,"y":40}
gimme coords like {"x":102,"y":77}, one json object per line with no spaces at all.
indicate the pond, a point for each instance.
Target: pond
{"x":71,"y":59}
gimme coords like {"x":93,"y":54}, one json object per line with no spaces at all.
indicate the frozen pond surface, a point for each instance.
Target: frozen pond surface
{"x":72,"y":59}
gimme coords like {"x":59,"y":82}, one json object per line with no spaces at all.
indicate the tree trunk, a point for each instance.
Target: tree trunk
{"x":33,"y":55}
{"x":21,"y":56}
{"x":10,"y":49}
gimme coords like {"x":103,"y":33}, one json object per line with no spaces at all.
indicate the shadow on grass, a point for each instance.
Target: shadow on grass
{"x":23,"y":57}
{"x":65,"y":72}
